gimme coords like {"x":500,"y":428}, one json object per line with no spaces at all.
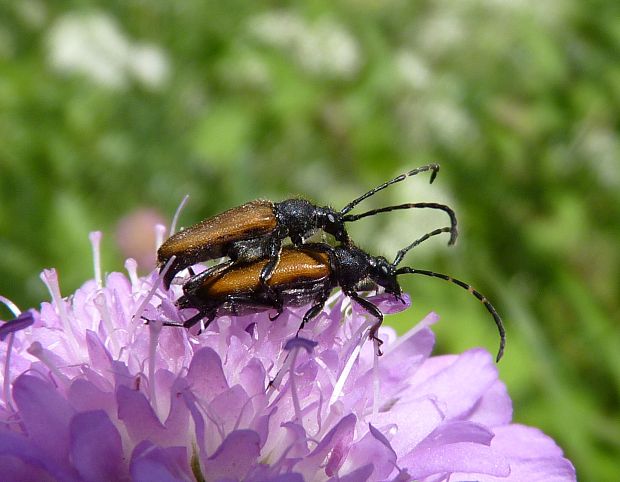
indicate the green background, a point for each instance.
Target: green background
{"x":517,"y":100}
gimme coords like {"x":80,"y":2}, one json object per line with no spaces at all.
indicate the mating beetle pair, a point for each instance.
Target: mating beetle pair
{"x":255,"y":230}
{"x":262,"y":275}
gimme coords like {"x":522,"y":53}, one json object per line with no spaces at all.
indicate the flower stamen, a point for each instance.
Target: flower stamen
{"x":376,"y":381}
{"x":155,"y":327}
{"x":37,"y":351}
{"x":149,"y":296}
{"x":95,"y":242}
{"x":294,"y":345}
{"x":177,"y":213}
{"x":131,"y":265}
{"x":102,"y":307}
{"x":346,"y":371}
{"x":6,"y":385}
{"x":50,"y":278}
{"x":160,"y":232}
{"x":11,"y":306}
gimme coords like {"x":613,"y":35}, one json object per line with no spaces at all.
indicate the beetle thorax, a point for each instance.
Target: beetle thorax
{"x":297,"y":217}
{"x":352,"y":268}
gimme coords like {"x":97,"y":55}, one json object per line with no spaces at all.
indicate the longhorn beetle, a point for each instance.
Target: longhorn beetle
{"x":308,"y":274}
{"x":256,"y":230}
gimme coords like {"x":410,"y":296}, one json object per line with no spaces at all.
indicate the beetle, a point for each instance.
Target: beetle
{"x":257,"y":229}
{"x":307,"y":275}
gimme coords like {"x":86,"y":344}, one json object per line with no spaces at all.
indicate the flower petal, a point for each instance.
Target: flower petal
{"x":205,"y":374}
{"x":410,"y":430}
{"x":138,"y":415}
{"x":150,"y":463}
{"x":85,"y":396}
{"x":331,"y":450}
{"x":20,"y":459}
{"x":234,"y":457}
{"x":460,"y":385}
{"x":230,"y":407}
{"x":494,"y":408}
{"x":96,"y":448}
{"x":533,"y":456}
{"x":45,"y":415}
{"x":456,"y":457}
{"x":373,"y":447}
{"x":361,"y":474}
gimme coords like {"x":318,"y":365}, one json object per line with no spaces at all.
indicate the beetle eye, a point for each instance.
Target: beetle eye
{"x":384,"y":269}
{"x":331,"y":218}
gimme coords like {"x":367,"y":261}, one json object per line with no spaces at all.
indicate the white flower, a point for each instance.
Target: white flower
{"x":323,"y":48}
{"x":93,"y":45}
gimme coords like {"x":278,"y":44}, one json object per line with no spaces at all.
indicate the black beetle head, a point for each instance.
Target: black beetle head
{"x":332,"y":222}
{"x":383,"y":273}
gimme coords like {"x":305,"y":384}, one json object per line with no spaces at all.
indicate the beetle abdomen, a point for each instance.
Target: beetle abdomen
{"x":296,"y":268}
{"x":209,"y":239}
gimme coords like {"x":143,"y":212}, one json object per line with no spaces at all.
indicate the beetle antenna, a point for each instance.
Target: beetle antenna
{"x":453,"y":223}
{"x":490,"y":308}
{"x":429,"y":167}
{"x":401,"y":254}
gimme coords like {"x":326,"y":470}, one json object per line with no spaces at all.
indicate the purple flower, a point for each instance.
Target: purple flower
{"x":92,"y":393}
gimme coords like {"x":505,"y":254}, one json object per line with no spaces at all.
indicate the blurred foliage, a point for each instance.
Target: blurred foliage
{"x":518,"y":100}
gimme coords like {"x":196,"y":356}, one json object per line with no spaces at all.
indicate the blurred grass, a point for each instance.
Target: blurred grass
{"x":518,"y":101}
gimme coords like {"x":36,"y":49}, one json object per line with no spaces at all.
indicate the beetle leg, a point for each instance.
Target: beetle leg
{"x":174,"y":268}
{"x":273,"y":253}
{"x":315,"y":309}
{"x":209,"y":315}
{"x":196,"y":280}
{"x":278,"y":305}
{"x":374,"y":311}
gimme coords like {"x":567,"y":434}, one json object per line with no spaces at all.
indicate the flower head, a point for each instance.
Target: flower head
{"x":92,"y":393}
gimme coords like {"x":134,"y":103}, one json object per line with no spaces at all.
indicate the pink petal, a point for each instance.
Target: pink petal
{"x":20,"y":459}
{"x":404,"y":359}
{"x":234,"y":457}
{"x":389,"y":304}
{"x":99,"y":356}
{"x":150,"y":463}
{"x":253,"y":378}
{"x":373,"y":448}
{"x":137,"y":414}
{"x":44,"y":414}
{"x":198,"y":420}
{"x":85,"y":396}
{"x":332,"y":449}
{"x":361,"y":474}
{"x":411,"y":430}
{"x":205,"y":375}
{"x":14,"y":468}
{"x":459,"y":386}
{"x":533,"y":456}
{"x":230,"y":407}
{"x":454,"y":432}
{"x":525,"y":442}
{"x":96,"y":448}
{"x":494,"y":408}
{"x":177,"y":422}
{"x":457,"y":457}
{"x":286,"y":478}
